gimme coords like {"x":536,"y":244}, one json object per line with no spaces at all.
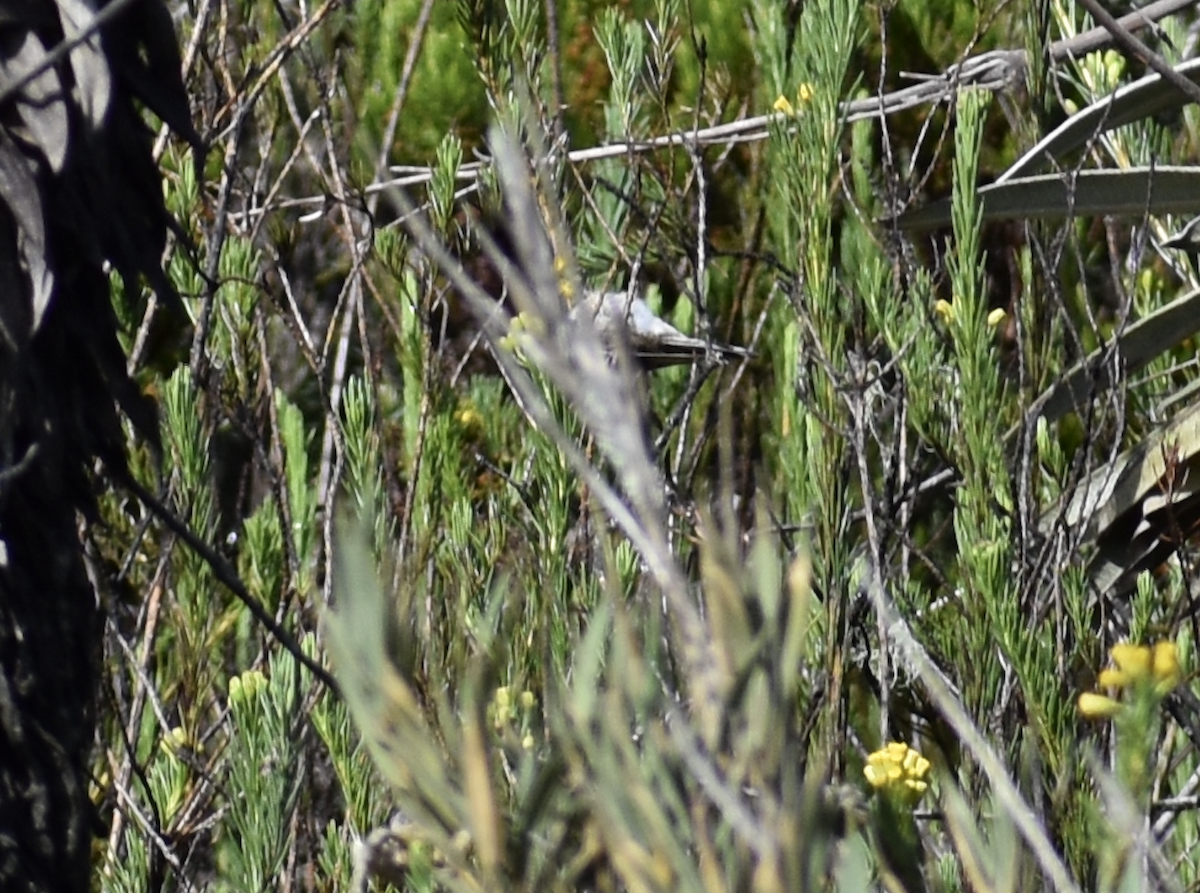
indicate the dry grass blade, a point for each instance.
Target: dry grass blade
{"x":1115,"y":489}
{"x":1131,"y":191}
{"x":486,"y":825}
{"x":1138,"y":101}
{"x":382,"y":701}
{"x":1135,"y":347}
{"x":1141,"y":507}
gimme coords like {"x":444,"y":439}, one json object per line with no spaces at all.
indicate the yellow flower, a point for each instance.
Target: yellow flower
{"x":1133,"y":663}
{"x":1096,"y":706}
{"x":1164,"y":666}
{"x":1134,"y":667}
{"x":945,"y":311}
{"x":564,"y":279}
{"x":470,"y":421}
{"x":1112,"y":678}
{"x":804,"y":95}
{"x":898,"y":770}
{"x":1140,"y":663}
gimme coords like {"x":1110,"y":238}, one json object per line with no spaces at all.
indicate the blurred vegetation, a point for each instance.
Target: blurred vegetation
{"x":652,"y":641}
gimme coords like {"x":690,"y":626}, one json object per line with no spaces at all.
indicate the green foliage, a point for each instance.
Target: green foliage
{"x":532,"y":802}
{"x":262,"y":773}
{"x":603,"y":627}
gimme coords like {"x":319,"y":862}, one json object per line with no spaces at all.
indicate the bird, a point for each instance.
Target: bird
{"x":654,"y":342}
{"x":1187,"y":240}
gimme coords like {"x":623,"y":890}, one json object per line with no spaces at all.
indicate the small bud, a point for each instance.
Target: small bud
{"x":1097,"y":706}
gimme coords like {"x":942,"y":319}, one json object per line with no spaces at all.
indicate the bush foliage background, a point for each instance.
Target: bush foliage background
{"x":627,"y":650}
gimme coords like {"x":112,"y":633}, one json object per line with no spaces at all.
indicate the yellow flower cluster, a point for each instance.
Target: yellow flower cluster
{"x":521,"y":328}
{"x":803,"y":96}
{"x":178,"y":741}
{"x":900,"y":771}
{"x":1153,"y":668}
{"x":507,"y":706}
{"x":564,"y":279}
{"x":246,"y":686}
